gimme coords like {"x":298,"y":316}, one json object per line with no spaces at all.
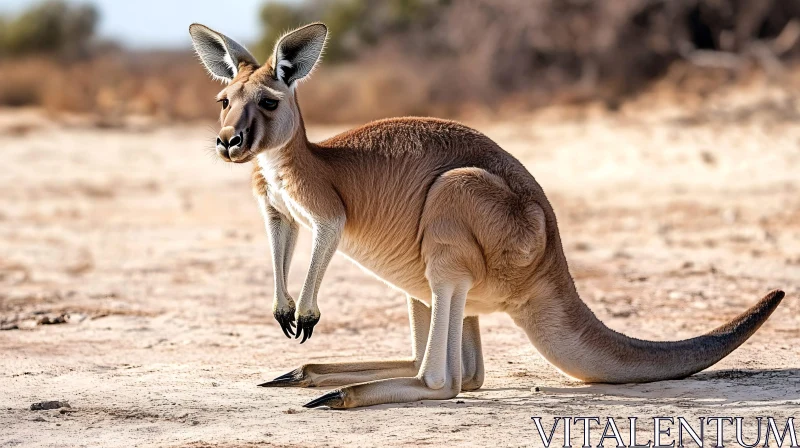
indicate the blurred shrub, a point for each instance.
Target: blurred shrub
{"x":49,"y":58}
{"x":463,"y":53}
{"x":353,"y":23}
{"x":52,"y":27}
{"x":112,"y":86}
{"x":417,"y":57}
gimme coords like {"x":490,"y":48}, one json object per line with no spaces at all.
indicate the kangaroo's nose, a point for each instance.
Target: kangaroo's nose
{"x":236,"y":140}
{"x":229,"y":144}
{"x":228,"y":138}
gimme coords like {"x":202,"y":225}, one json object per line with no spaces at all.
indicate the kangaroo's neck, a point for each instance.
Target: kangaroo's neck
{"x":299,"y":181}
{"x":290,"y":162}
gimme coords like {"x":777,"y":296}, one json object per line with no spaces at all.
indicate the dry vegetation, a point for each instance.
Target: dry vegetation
{"x":112,"y":86}
{"x":421,"y":57}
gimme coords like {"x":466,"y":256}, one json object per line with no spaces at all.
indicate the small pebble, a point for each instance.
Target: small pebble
{"x":536,"y":389}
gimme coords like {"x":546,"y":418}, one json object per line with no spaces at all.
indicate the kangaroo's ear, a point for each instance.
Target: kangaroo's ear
{"x":298,"y":51}
{"x":221,"y":55}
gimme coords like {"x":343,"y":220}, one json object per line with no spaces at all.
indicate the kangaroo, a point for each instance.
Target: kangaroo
{"x":434,"y":209}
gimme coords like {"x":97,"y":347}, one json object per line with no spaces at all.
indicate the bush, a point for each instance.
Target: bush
{"x":53,"y":27}
{"x":532,"y":52}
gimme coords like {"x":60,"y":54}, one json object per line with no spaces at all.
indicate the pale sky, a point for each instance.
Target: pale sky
{"x":165,"y":23}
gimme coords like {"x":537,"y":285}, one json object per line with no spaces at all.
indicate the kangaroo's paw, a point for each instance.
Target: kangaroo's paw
{"x":393,"y":390}
{"x":285,"y":318}
{"x":305,"y":326}
{"x":295,"y":378}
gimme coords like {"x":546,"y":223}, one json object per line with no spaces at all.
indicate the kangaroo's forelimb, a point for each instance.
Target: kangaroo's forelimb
{"x":326,"y":236}
{"x":282,"y":231}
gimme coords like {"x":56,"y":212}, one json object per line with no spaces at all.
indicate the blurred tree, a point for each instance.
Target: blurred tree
{"x":52,"y":27}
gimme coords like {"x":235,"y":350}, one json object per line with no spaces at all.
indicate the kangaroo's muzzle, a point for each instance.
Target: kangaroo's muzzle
{"x":230,"y":145}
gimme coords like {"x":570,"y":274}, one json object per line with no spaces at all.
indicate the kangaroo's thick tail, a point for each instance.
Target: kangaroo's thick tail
{"x":567,"y":333}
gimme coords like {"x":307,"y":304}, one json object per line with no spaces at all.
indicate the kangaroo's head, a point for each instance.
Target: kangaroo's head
{"x":259,"y":110}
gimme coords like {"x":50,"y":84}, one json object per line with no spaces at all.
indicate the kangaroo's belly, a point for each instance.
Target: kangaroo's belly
{"x":404,"y":270}
{"x":398,"y":265}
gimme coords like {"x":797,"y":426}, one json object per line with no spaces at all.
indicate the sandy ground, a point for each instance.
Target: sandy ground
{"x":673,"y":221}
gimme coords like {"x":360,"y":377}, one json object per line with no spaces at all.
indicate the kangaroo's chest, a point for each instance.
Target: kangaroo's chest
{"x":278,"y":195}
{"x":379,"y":246}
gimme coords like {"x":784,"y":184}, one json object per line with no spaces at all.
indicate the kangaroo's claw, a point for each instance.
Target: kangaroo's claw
{"x":286,"y":321}
{"x":333,"y":400}
{"x":305,"y":327}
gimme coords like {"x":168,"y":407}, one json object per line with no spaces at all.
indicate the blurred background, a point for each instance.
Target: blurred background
{"x":665,"y":133}
{"x":455,"y":58}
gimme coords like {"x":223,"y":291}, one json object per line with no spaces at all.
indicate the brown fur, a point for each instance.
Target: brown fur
{"x":412,"y":185}
{"x":431,"y":206}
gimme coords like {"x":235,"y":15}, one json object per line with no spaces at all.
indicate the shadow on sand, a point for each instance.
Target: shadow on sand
{"x":705,"y":388}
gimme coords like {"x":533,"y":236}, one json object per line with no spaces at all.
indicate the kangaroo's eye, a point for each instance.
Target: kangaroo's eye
{"x":268,"y":104}
{"x":224,"y":104}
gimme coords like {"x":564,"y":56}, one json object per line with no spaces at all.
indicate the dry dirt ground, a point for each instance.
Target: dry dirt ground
{"x":153,"y":256}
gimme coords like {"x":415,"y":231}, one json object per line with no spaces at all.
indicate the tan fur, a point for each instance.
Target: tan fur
{"x":441,"y":212}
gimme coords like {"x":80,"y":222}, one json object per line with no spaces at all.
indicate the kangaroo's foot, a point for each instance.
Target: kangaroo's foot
{"x":393,"y":390}
{"x":341,"y":374}
{"x":345,"y":374}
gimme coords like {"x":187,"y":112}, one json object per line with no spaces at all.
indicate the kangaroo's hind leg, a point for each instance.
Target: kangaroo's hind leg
{"x":344,"y":373}
{"x":471,"y":355}
{"x":440,"y":374}
{"x":454,"y":260}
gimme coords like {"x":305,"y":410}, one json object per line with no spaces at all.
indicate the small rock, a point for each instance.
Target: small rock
{"x":195,"y":423}
{"x":536,"y":389}
{"x":214,"y":384}
{"x":459,"y":401}
{"x":55,"y":320}
{"x":708,"y":158}
{"x":39,"y":419}
{"x":290,"y":411}
{"x":45,"y":405}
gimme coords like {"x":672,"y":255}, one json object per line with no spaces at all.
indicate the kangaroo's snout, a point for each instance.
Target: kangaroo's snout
{"x":229,"y":144}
